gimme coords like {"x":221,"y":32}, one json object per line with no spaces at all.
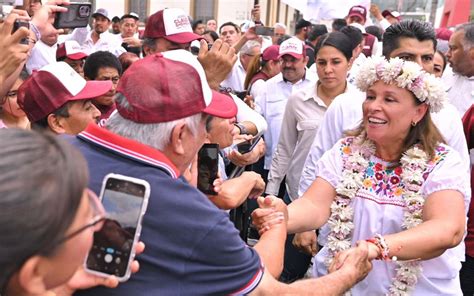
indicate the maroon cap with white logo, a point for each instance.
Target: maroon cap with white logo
{"x":169,"y":86}
{"x":292,"y":46}
{"x":53,"y":86}
{"x":70,"y":49}
{"x":172,"y":24}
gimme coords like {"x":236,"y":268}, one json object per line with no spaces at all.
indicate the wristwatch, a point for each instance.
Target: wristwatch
{"x":242,"y":128}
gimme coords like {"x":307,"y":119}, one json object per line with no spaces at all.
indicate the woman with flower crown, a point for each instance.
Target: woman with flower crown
{"x":393,"y":183}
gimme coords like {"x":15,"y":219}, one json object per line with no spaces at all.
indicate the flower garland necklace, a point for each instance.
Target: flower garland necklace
{"x":414,"y":162}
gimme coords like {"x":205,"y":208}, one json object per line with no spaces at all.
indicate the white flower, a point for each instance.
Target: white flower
{"x":339,"y":227}
{"x":336,"y":245}
{"x":341,"y":211}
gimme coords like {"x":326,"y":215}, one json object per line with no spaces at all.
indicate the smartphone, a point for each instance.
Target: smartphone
{"x":18,"y":24}
{"x":264,"y":31}
{"x":76,"y":16}
{"x":247,"y":146}
{"x":125,"y":200}
{"x":208,"y":166}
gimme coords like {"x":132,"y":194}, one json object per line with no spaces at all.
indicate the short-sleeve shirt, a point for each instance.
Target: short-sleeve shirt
{"x":379,"y":208}
{"x":191,"y":245}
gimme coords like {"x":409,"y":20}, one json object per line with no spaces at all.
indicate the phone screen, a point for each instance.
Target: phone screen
{"x":208,"y":165}
{"x":112,"y":247}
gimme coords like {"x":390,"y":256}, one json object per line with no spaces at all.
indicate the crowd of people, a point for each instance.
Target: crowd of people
{"x":356,"y":179}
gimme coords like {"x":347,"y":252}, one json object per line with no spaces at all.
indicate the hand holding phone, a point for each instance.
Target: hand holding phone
{"x":208,"y":167}
{"x":18,"y":24}
{"x":264,"y":31}
{"x":125,"y":200}
{"x":76,"y":16}
{"x":247,"y":146}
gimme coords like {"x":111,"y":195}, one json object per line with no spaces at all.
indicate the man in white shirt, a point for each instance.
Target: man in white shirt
{"x":236,"y":78}
{"x":128,"y":37}
{"x":461,"y":58}
{"x":99,"y":39}
{"x":43,"y":53}
{"x":272,"y":101}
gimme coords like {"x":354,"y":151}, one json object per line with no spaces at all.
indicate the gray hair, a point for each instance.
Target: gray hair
{"x":249,"y":46}
{"x":468,"y":40}
{"x":280,"y":25}
{"x":156,"y":135}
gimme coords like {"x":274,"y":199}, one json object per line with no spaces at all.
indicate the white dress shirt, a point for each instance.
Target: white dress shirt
{"x":107,"y":42}
{"x":41,"y":55}
{"x":303,"y":116}
{"x":236,"y":78}
{"x":272,"y":103}
{"x":460,"y":91}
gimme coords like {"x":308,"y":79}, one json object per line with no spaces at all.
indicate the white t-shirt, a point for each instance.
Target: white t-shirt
{"x":378,"y":208}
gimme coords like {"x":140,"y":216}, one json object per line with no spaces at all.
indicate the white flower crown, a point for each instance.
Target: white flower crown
{"x":426,"y":87}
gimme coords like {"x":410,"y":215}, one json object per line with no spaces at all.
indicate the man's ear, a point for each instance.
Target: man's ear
{"x":31,"y":278}
{"x":177,"y":138}
{"x":56,"y":124}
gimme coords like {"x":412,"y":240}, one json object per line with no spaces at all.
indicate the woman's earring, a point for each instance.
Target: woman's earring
{"x":413,"y":123}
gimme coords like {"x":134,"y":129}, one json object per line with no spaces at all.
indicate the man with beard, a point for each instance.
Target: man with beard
{"x":461,"y":58}
{"x":272,"y":101}
{"x":100,"y":38}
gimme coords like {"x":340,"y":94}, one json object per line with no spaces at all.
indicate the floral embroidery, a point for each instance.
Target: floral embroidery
{"x":405,"y":180}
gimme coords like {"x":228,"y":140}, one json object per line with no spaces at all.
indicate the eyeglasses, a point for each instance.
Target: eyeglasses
{"x":97,"y":220}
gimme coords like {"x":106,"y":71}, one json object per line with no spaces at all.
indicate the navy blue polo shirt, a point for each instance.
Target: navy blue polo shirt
{"x":191,"y":245}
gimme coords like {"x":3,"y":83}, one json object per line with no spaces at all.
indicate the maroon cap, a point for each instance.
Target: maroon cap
{"x":359,"y":11}
{"x":70,"y":49}
{"x":394,"y":14}
{"x":443,"y":33}
{"x":172,"y":24}
{"x":271,"y":53}
{"x":169,"y":86}
{"x":54,"y":85}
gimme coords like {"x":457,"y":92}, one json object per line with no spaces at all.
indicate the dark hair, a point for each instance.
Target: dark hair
{"x":424,"y":133}
{"x":338,"y":24}
{"x":237,"y":28}
{"x":301,"y":24}
{"x":98,"y":60}
{"x":126,"y":60}
{"x":337,"y":40}
{"x":42,"y":124}
{"x":41,"y":187}
{"x":213,"y":34}
{"x":283,"y":39}
{"x":255,"y":65}
{"x":445,"y":60}
{"x":412,"y":28}
{"x":376,"y":31}
{"x":354,"y":34}
{"x":317,"y":31}
{"x":468,"y":40}
{"x":115,"y":19}
{"x":196,"y":23}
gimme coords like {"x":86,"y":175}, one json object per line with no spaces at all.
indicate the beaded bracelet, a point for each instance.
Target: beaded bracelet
{"x":35,"y":30}
{"x":380,"y":242}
